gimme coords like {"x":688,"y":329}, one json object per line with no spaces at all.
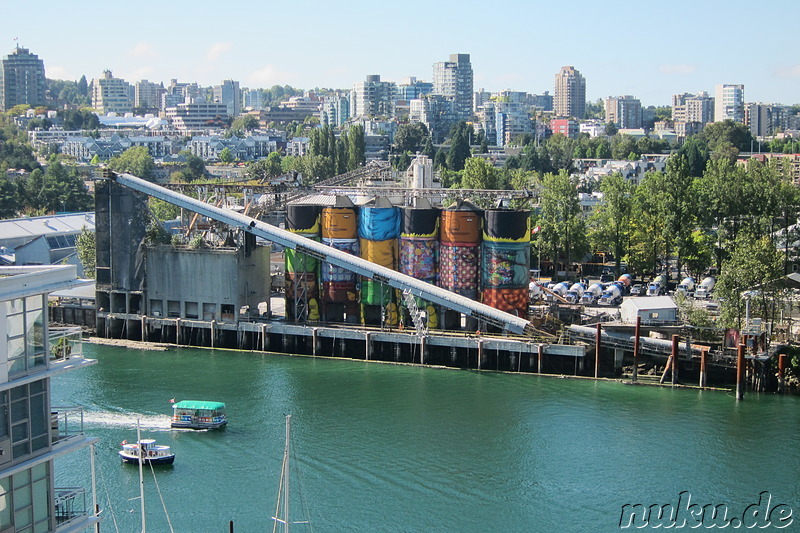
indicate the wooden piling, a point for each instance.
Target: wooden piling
{"x":740,"y":372}
{"x":703,"y":355}
{"x":675,"y":348}
{"x":541,"y":358}
{"x":781,"y":370}
{"x":367,"y":345}
{"x":635,"y":373}
{"x":597,"y":352}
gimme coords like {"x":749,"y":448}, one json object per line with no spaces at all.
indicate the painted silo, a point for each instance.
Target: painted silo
{"x":301,"y":270}
{"x":339,"y":223}
{"x":378,"y":230}
{"x":419,"y":247}
{"x":505,"y":260}
{"x":339,"y":230}
{"x":459,"y":249}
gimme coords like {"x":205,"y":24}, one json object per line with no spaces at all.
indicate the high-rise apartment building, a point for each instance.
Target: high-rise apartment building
{"x":625,"y":112}
{"x":335,"y":110}
{"x":729,"y":103}
{"x":112,"y":95}
{"x":454,"y":80}
{"x":373,"y":98}
{"x":33,"y":433}
{"x":229,"y":94}
{"x":760,"y":118}
{"x":413,"y":88}
{"x":147,"y":95}
{"x":570,"y":93}
{"x":22,"y":79}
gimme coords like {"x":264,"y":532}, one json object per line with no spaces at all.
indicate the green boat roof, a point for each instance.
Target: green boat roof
{"x":195,"y":404}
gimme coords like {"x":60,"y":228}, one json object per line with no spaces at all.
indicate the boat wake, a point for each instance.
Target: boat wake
{"x":148,"y":422}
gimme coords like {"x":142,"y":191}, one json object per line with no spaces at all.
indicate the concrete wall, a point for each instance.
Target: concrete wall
{"x":205,"y":284}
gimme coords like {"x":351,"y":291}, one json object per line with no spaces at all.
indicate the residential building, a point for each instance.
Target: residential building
{"x":373,"y":98}
{"x":436,"y":112}
{"x":413,"y":88}
{"x":511,"y":116}
{"x":147,"y":95}
{"x":33,"y":433}
{"x":22,"y":80}
{"x":242,"y":149}
{"x":729,"y":103}
{"x":758,"y":118}
{"x":593,"y":128}
{"x":335,"y":110}
{"x":543,"y":101}
{"x":565,"y":126}
{"x":254,"y":99}
{"x":84,"y":149}
{"x":454,"y":80}
{"x":693,"y":108}
{"x":570,"y":93}
{"x":229,"y":94}
{"x":178,"y":93}
{"x":624,"y":111}
{"x":112,"y":95}
{"x":193,"y":115}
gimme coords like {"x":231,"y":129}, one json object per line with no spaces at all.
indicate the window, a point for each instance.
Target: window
{"x":25,"y":333}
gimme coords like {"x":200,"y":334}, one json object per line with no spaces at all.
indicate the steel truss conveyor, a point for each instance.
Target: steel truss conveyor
{"x":300,"y":244}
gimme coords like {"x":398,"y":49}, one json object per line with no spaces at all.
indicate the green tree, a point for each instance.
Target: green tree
{"x":717,"y":134}
{"x":86,"y":250}
{"x":136,"y":160}
{"x":753,"y":265}
{"x":648,"y":225}
{"x":410,"y":137}
{"x":226,"y":156}
{"x":459,"y":147}
{"x":611,"y":221}
{"x":440,"y":159}
{"x":478,"y":174}
{"x":195,"y":168}
{"x":356,"y":147}
{"x":162,"y":210}
{"x":9,"y":198}
{"x":563,"y":228}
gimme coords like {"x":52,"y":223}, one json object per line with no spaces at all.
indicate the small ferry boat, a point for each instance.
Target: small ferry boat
{"x":149,"y":452}
{"x":195,"y":414}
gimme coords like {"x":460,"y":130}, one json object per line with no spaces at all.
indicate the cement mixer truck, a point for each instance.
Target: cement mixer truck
{"x":658,"y":286}
{"x":686,"y":286}
{"x":612,"y":294}
{"x":559,"y":289}
{"x":575,"y":293}
{"x":704,"y":289}
{"x":592,"y":294}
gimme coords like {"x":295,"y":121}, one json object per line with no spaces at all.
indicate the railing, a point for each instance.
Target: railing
{"x":65,"y":422}
{"x":70,"y":504}
{"x":65,"y":342}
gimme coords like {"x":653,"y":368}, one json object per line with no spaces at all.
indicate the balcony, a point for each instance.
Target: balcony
{"x":65,"y":342}
{"x":71,"y":507}
{"x":65,"y":423}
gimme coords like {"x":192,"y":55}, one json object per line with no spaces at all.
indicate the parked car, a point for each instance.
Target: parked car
{"x":637,"y":289}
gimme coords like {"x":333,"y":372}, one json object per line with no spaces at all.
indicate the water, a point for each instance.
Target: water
{"x":398,"y":448}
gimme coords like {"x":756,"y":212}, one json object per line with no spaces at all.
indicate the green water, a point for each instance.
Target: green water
{"x":397,"y":448}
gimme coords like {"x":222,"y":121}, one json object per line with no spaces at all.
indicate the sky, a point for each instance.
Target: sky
{"x":647,"y":49}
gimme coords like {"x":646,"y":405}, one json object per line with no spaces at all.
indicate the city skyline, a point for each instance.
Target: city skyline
{"x":621,"y":48}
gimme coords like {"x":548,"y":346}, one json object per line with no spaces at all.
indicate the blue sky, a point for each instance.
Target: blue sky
{"x":648,"y":49}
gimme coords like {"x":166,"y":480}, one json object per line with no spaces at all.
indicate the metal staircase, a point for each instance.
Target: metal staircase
{"x":417,"y":316}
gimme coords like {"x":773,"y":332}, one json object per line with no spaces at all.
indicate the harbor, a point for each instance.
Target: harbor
{"x":407,"y":448}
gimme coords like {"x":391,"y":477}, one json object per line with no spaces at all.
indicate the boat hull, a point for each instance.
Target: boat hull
{"x":199,"y":425}
{"x":155,"y":461}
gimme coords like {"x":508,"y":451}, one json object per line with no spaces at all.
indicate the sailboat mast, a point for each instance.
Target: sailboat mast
{"x":141,"y":476}
{"x":286,"y":475}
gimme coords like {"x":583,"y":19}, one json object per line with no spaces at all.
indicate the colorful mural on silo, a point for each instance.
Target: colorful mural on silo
{"x":459,"y":251}
{"x":301,"y":270}
{"x":378,"y":230}
{"x":505,"y":260}
{"x":419,"y":247}
{"x":339,"y":230}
